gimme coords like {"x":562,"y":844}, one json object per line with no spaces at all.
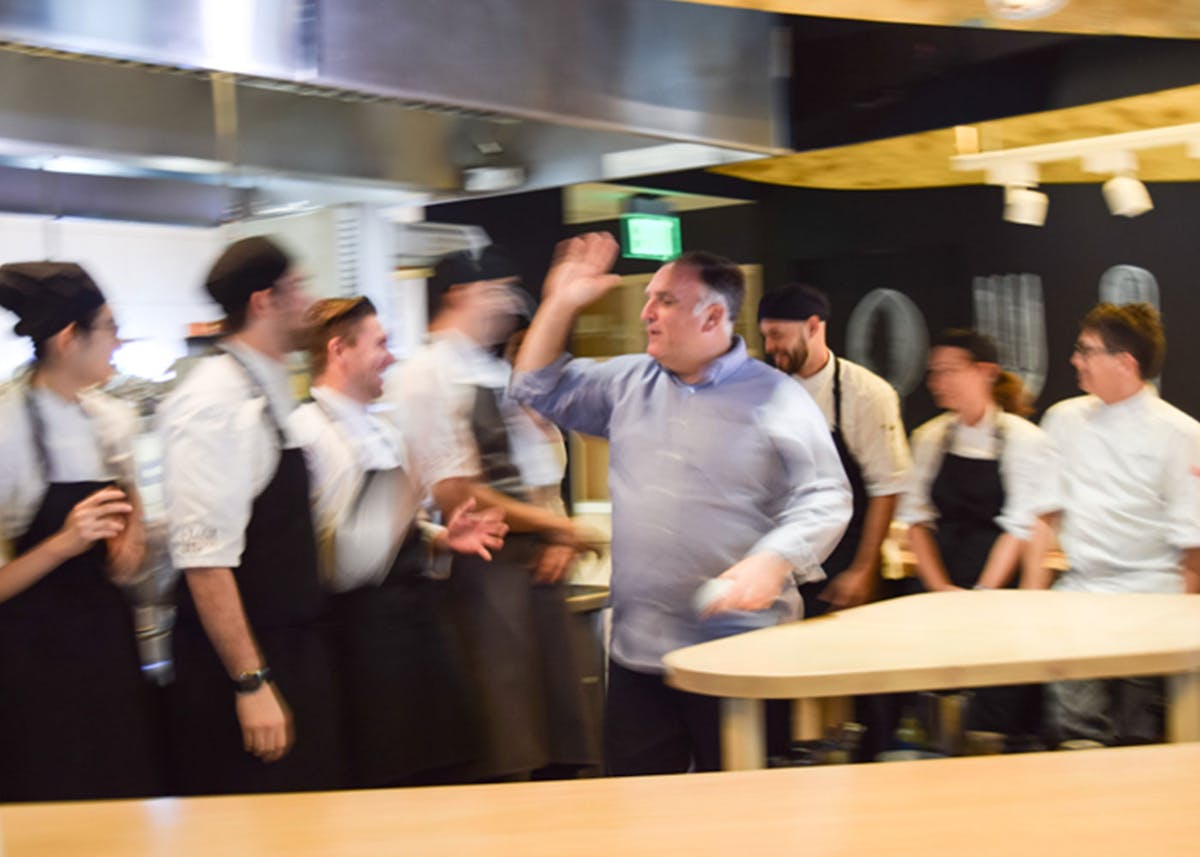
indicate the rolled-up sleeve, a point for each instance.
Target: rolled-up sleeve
{"x":209,"y":458}
{"x":812,"y":517}
{"x":576,"y":394}
{"x":916,"y":505}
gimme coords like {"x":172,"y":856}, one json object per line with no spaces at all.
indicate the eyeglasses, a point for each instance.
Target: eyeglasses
{"x":1086,"y":351}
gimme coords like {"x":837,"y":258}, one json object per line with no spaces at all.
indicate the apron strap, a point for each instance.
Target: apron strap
{"x":262,"y":391}
{"x":837,"y":394}
{"x":38,"y":429}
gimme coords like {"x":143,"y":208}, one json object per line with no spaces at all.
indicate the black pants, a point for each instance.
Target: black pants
{"x":650,"y":728}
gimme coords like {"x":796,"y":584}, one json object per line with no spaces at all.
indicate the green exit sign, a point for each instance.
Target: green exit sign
{"x":650,"y":236}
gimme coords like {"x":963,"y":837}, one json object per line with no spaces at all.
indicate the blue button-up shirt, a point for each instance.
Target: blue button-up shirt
{"x":701,"y":476}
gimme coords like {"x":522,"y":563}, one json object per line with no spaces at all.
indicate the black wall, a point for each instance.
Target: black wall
{"x":928,"y":244}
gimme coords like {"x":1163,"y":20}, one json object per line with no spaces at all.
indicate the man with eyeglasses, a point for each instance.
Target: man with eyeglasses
{"x":1124,"y":503}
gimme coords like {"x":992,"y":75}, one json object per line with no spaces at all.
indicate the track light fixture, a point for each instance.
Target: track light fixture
{"x":1115,"y":154}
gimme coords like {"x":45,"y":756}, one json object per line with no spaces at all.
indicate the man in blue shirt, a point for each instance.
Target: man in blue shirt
{"x":720,"y":468}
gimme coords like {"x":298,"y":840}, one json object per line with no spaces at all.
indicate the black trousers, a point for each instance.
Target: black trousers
{"x":650,"y":728}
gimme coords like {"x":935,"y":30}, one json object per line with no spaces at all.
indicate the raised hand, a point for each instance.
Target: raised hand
{"x":579,"y":273}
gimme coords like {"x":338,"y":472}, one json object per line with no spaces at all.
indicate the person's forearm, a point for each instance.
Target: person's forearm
{"x":1034,"y":573}
{"x":547,"y":337}
{"x":1190,"y":566}
{"x":875,"y":529}
{"x":19,"y":574}
{"x":219,"y":605}
{"x":1002,"y":562}
{"x":521,"y":517}
{"x":930,"y":569}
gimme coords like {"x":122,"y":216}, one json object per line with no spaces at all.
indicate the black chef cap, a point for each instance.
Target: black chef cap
{"x":47,"y":296}
{"x":981,"y":346}
{"x":246,"y":267}
{"x":456,"y":269}
{"x":794,"y":302}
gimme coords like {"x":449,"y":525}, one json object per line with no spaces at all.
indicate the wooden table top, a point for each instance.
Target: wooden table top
{"x":949,"y":639}
{"x":1136,"y":800}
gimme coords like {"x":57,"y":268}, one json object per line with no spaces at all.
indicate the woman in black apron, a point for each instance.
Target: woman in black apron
{"x":963,"y":544}
{"x":75,"y":714}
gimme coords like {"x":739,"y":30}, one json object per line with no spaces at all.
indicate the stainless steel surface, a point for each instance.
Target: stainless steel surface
{"x":340,"y":100}
{"x":584,"y":598}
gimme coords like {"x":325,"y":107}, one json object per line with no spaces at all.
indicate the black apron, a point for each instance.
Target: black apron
{"x":75,"y":713}
{"x":408,"y":712}
{"x":969,"y":495}
{"x":843,"y":555}
{"x":517,"y":637}
{"x":284,"y":604}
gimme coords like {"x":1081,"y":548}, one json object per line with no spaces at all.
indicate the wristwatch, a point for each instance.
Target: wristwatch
{"x":248,"y":682}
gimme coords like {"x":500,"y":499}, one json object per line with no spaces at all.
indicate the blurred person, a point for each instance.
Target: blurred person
{"x":863,"y":414}
{"x":538,"y":448}
{"x":978,"y":475}
{"x":407,"y":711}
{"x":1123,"y":503}
{"x":511,"y":611}
{"x":256,"y":706}
{"x":75,"y":713}
{"x":978,"y":471}
{"x":720,"y":468}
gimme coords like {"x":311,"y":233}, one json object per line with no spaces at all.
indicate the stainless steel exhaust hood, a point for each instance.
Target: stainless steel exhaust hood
{"x":238,"y":104}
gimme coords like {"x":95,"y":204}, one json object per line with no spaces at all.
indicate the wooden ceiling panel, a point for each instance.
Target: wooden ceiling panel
{"x":923,"y":160}
{"x":1169,"y":19}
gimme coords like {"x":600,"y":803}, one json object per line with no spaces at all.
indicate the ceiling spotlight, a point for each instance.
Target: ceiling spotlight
{"x":1025,"y":205}
{"x":1126,"y":196}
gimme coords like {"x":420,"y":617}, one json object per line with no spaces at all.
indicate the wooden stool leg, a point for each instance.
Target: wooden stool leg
{"x":743,"y":735}
{"x":806,"y":719}
{"x":835,"y":710}
{"x":1183,"y":707}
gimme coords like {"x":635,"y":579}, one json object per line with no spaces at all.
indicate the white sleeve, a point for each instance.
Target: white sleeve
{"x":878,"y":442}
{"x":916,"y":504}
{"x":209,"y":444}
{"x":365,"y":539}
{"x":1181,"y":490}
{"x":1055,"y":432}
{"x":436,"y":429}
{"x":1024,"y":472}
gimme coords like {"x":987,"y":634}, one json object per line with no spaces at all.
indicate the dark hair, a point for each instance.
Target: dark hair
{"x":980,"y":346}
{"x":1011,"y":395}
{"x":1134,"y":328}
{"x":86,"y":323}
{"x":327,"y":320}
{"x":721,"y":275}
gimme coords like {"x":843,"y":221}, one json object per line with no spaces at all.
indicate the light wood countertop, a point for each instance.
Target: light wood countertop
{"x":1115,"y":802}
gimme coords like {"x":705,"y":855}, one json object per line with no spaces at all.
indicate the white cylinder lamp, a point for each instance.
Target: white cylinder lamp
{"x":1025,"y":205}
{"x":1127,"y":196}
